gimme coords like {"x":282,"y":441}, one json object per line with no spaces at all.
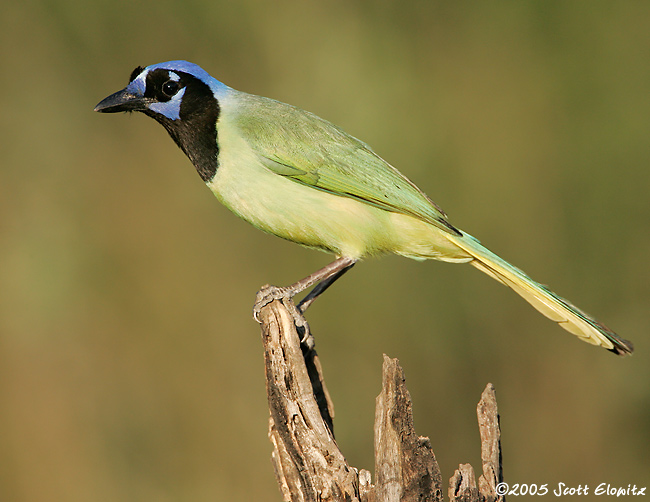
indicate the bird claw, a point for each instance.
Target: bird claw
{"x":269,"y":294}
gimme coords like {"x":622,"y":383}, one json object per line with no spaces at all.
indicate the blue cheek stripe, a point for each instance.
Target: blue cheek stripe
{"x":170,"y":109}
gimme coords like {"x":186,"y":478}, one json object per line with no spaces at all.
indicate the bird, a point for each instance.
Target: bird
{"x":295,"y":175}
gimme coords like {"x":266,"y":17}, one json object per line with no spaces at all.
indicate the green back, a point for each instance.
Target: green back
{"x":309,"y":150}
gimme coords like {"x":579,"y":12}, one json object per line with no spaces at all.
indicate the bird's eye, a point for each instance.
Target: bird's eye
{"x":170,"y":88}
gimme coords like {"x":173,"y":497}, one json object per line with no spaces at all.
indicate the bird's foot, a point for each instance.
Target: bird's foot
{"x":270,"y":293}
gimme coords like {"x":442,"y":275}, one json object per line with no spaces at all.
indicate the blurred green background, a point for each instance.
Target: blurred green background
{"x":130,"y":366}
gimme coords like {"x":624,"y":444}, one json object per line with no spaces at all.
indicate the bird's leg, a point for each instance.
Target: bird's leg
{"x":321,"y":287}
{"x":325,"y":276}
{"x":323,"y":279}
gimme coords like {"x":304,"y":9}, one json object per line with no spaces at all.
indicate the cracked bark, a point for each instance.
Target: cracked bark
{"x":308,"y":463}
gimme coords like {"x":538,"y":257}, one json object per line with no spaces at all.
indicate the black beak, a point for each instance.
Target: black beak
{"x":122,"y":101}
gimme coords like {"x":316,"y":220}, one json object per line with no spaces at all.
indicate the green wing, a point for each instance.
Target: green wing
{"x":309,"y":150}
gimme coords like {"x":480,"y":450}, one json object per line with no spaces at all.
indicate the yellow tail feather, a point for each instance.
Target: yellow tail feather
{"x":556,"y":308}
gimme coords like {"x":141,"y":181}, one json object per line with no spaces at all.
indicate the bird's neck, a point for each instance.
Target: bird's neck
{"x":196,"y":134}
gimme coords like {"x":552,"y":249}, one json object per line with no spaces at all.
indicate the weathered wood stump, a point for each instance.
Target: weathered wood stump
{"x":308,"y":463}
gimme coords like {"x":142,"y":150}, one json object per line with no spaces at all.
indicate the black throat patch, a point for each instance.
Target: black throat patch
{"x":195,"y":131}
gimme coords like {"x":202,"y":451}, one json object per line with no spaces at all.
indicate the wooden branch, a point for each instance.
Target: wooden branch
{"x":308,"y":463}
{"x":462,"y":485}
{"x":405,"y":465}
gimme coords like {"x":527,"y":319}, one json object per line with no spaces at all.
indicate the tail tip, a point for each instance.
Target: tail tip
{"x":622,"y":347}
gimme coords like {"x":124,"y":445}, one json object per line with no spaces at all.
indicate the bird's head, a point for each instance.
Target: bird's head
{"x":174,"y":90}
{"x":182,"y":97}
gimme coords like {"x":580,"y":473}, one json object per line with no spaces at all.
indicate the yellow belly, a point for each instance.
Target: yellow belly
{"x":318,"y":219}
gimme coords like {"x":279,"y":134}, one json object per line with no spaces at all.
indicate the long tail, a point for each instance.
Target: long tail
{"x":544,"y":300}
